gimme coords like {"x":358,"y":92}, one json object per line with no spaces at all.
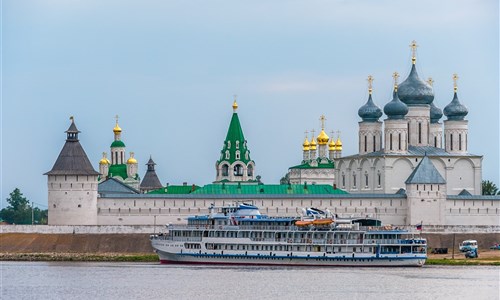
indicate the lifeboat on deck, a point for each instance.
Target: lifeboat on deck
{"x":322,"y":222}
{"x":303,"y":223}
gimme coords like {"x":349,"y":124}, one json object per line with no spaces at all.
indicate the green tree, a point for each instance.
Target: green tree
{"x":18,"y":211}
{"x":489,"y":188}
{"x":285,"y":179}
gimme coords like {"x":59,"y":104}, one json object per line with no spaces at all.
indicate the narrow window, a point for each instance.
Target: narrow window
{"x":237,"y":144}
{"x":374,"y":143}
{"x":390,"y":141}
{"x":435,"y":141}
{"x":459,"y":142}
{"x":451,"y":142}
{"x":354,"y":180}
{"x":366,"y":143}
{"x":366,"y":180}
{"x":419,"y":133}
{"x":343,"y":180}
{"x":379,"y":179}
{"x":227,"y":154}
{"x":399,"y":141}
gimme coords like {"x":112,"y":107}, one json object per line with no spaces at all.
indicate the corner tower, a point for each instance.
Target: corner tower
{"x":235,"y":164}
{"x":72,"y":185}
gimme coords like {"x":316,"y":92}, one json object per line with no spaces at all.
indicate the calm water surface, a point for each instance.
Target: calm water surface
{"x":70,"y":280}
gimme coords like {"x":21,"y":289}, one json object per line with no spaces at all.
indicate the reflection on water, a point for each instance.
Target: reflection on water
{"x":77,"y":280}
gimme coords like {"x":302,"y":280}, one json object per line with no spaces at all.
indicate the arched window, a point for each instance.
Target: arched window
{"x":459,"y":141}
{"x":366,"y":138}
{"x":399,"y":141}
{"x":379,"y":179}
{"x":354,"y":180}
{"x":227,"y":154}
{"x":228,"y":144}
{"x":374,"y":144}
{"x":225,"y":170}
{"x":238,"y":154}
{"x":246,"y":155}
{"x":390,"y":141}
{"x":238,"y":170}
{"x":237,"y":144}
{"x":343,"y":180}
{"x":366,"y":179}
{"x":250,"y":170}
{"x":451,"y":141}
{"x":435,"y":141}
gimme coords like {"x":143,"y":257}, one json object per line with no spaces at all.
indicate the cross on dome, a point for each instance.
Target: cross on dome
{"x":370,"y":81}
{"x":322,"y":118}
{"x":455,"y":79}
{"x":395,"y":75}
{"x":413,"y":47}
{"x":430,"y":81}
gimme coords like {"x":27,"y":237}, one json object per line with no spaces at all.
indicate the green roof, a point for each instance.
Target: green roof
{"x":118,"y":170}
{"x":307,"y":165}
{"x":175,"y":189}
{"x":117,"y":144}
{"x":237,"y":142}
{"x":269,"y":189}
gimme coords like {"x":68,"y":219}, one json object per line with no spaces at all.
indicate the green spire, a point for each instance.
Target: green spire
{"x":235,"y":144}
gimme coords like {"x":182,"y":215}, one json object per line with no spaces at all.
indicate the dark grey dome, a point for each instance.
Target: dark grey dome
{"x":455,"y":110}
{"x":436,"y":113}
{"x":395,"y":109}
{"x":415,"y":91}
{"x":370,"y":112}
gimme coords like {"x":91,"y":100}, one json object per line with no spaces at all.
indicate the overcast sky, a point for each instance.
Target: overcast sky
{"x":170,"y":69}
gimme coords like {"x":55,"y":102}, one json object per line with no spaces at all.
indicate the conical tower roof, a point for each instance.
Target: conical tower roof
{"x":235,"y":141}
{"x":151,"y":180}
{"x":72,"y":160}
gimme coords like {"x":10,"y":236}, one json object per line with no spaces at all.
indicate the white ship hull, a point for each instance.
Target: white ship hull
{"x":167,"y":256}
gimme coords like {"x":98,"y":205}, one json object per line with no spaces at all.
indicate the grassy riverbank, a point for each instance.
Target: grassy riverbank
{"x":146,"y":257}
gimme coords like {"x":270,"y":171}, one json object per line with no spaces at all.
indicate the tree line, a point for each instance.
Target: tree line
{"x":19,"y":210}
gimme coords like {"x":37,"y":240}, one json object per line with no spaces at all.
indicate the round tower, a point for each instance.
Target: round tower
{"x":322,"y":139}
{"x":305,"y":149}
{"x":396,"y":127}
{"x":104,"y":166}
{"x":455,"y":127}
{"x":370,"y":128}
{"x":117,"y":147}
{"x":72,"y":185}
{"x":418,"y":95}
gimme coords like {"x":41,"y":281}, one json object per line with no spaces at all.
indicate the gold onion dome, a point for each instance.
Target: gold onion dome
{"x":117,"y":128}
{"x":332,"y":146}
{"x":338,"y":143}
{"x":305,"y":145}
{"x":131,"y":160}
{"x":323,"y":138}
{"x":313,"y":143}
{"x":104,"y":160}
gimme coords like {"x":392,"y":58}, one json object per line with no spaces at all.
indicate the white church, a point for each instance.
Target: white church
{"x":410,"y":169}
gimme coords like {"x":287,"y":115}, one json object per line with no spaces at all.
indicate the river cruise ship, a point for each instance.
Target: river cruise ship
{"x":238,"y":234}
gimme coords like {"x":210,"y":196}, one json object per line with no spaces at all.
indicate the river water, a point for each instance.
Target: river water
{"x":75,"y":280}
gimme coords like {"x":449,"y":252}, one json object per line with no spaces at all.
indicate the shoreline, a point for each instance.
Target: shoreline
{"x":152,"y":257}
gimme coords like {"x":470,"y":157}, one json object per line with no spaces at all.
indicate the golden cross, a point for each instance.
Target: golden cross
{"x":235,"y":97}
{"x":430,"y":81}
{"x":104,"y":155}
{"x":395,"y":75}
{"x":455,"y":79}
{"x":338,"y":133}
{"x":306,"y":132}
{"x":116,"y":117}
{"x":312,"y":131}
{"x":322,"y":118}
{"x":370,"y":81}
{"x":413,"y":47}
